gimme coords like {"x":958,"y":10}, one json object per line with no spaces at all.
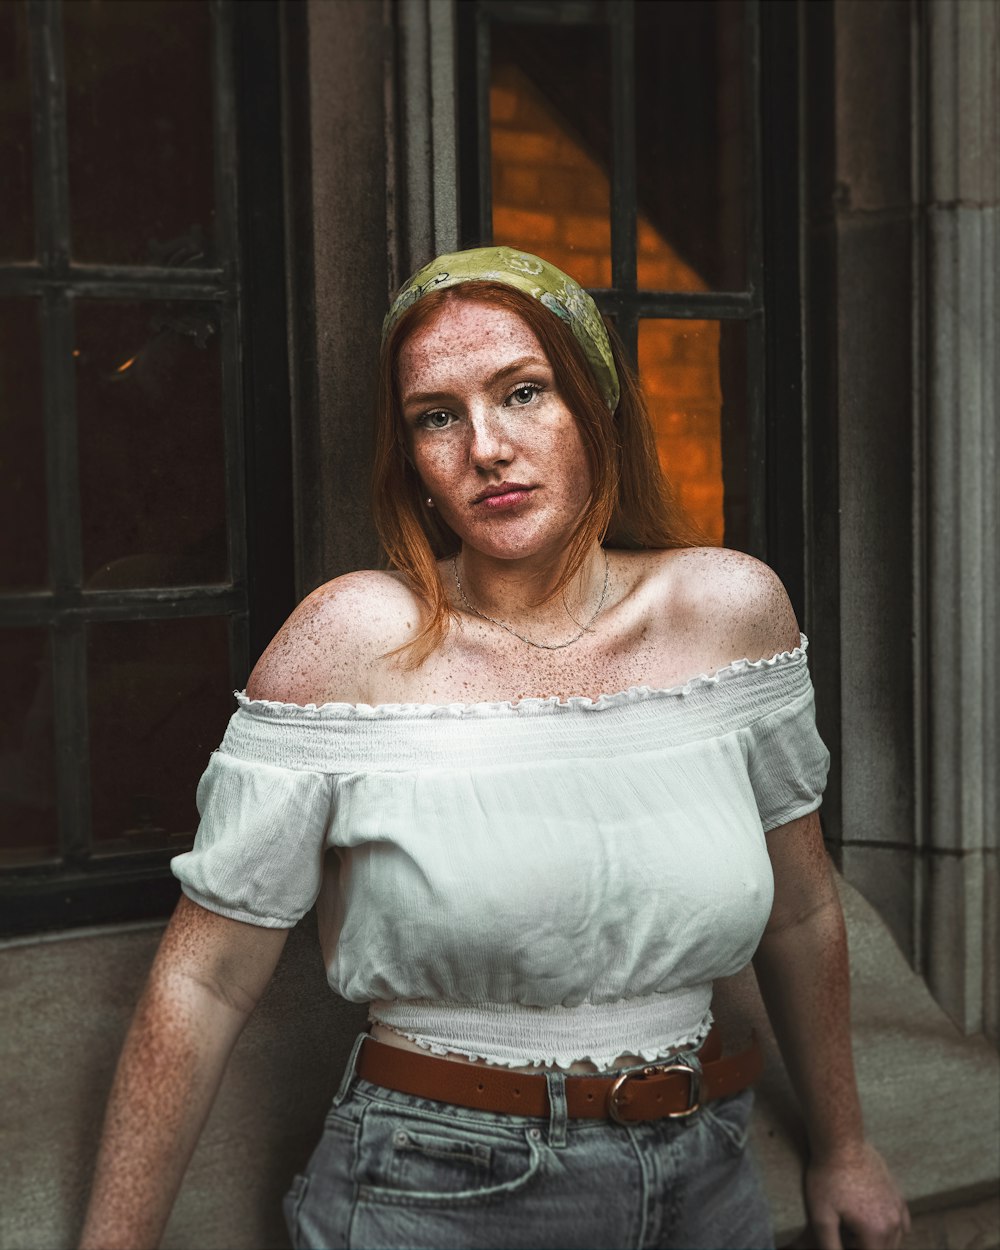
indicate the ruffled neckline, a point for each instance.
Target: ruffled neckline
{"x":522,"y":707}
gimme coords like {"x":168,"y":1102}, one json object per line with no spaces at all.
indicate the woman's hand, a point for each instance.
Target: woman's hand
{"x":852,"y":1187}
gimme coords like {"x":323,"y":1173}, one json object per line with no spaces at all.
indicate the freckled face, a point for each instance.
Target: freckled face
{"x":495,"y":446}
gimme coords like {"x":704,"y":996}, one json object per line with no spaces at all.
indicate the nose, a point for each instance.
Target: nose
{"x":489,"y":440}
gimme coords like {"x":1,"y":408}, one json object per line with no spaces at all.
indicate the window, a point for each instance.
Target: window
{"x":641,"y":147}
{"x":144,"y":445}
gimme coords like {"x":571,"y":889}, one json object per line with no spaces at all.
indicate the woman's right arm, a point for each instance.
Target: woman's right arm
{"x":205,"y":981}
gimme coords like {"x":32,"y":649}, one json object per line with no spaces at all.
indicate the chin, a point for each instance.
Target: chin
{"x":517,"y":537}
{"x":511,"y":547}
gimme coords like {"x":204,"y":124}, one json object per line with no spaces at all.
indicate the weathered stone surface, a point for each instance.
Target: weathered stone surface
{"x":975,"y":1226}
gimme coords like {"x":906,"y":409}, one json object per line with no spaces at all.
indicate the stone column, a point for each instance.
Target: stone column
{"x":424,"y":177}
{"x":337,"y":159}
{"x":963,"y":401}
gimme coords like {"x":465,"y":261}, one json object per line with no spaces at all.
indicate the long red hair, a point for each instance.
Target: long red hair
{"x":630,"y":506}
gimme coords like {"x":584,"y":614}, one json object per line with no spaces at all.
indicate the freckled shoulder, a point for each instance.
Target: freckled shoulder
{"x":329,"y":645}
{"x":736,"y":604}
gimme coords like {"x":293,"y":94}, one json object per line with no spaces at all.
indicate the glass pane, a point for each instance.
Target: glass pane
{"x":694,"y":377}
{"x":159,"y":701}
{"x":23,"y":549}
{"x":549,"y":142}
{"x":17,"y":230}
{"x":139,"y":131}
{"x":28,"y":829}
{"x":692,"y":144}
{"x":149,"y":408}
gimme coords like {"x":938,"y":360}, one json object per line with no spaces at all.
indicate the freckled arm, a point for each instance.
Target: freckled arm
{"x":802,"y":970}
{"x":206,"y":979}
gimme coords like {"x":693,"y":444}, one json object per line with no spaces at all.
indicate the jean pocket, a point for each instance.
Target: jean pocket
{"x":406,"y":1161}
{"x":292,"y":1205}
{"x":728,"y":1120}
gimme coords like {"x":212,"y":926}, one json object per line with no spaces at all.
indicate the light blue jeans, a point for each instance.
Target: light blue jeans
{"x":393,"y":1171}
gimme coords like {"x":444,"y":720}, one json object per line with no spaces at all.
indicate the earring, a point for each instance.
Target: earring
{"x":429,"y":501}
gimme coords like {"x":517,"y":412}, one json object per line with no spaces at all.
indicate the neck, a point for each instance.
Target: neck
{"x":520,"y":592}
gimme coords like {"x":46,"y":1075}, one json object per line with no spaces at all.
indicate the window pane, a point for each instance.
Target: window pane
{"x":549,"y":138}
{"x":17,"y":231}
{"x":692,"y":145}
{"x":28,"y":830}
{"x":149,"y":409}
{"x":23,"y":547}
{"x":159,"y":701}
{"x":139,"y":131}
{"x":694,"y":377}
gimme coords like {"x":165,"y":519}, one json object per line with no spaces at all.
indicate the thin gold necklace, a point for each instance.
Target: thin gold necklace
{"x":545,"y":646}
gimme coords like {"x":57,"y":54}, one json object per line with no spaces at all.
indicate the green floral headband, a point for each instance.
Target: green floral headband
{"x":535,"y":277}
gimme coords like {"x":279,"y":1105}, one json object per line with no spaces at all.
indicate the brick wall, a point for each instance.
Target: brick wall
{"x":551,"y":197}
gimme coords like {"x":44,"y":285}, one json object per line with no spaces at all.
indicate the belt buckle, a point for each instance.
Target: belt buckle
{"x":656,"y":1069}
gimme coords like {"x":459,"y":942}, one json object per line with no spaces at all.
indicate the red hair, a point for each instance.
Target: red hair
{"x":630,"y":505}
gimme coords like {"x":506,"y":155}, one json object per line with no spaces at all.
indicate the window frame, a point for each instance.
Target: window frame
{"x":771,"y":303}
{"x":248,"y":290}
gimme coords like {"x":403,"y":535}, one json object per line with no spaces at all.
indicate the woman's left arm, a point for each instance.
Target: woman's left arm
{"x":801,"y":967}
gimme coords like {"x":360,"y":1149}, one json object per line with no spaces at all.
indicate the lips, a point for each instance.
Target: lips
{"x":508,"y":494}
{"x":501,"y":492}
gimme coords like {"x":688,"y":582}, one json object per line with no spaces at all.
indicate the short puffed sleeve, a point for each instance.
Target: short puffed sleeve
{"x":786,"y":758}
{"x":258,"y":853}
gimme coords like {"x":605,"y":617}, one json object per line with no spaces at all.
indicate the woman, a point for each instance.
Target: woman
{"x":526,"y":777}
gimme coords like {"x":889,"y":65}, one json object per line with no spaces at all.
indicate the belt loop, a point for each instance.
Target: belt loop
{"x":691,"y":1059}
{"x":348,"y":1077}
{"x":555,"y":1084}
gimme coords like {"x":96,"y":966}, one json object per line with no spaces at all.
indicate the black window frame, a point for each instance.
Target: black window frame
{"x":775,"y":440}
{"x":247,"y":288}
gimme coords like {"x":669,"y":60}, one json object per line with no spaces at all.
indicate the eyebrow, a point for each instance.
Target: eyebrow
{"x":515,"y":366}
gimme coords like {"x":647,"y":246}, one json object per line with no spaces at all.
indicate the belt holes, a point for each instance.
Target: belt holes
{"x":517,"y":1093}
{"x":590,"y":1098}
{"x":480,"y":1086}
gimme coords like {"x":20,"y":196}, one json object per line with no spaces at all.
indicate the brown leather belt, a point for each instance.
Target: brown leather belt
{"x":666,"y":1089}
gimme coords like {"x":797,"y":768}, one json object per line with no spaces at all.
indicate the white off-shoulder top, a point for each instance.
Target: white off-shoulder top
{"x":534,"y":882}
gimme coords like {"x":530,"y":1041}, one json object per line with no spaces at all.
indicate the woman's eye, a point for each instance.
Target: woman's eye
{"x":435,"y":420}
{"x":524,"y":394}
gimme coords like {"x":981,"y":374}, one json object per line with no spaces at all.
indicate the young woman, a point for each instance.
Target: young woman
{"x":544,"y":780}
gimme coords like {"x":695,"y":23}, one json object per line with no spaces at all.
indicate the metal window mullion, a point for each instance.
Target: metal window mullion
{"x":753,"y":173}
{"x":48,"y":111}
{"x":19,"y":611}
{"x":52,"y":230}
{"x":483,"y":133}
{"x":61,"y":444}
{"x":113,"y":282}
{"x":67,"y":639}
{"x":757,"y":380}
{"x":701,"y":305}
{"x":72,"y":738}
{"x":226,"y":138}
{"x":756,"y":439}
{"x":235,"y":448}
{"x":66,"y":576}
{"x":624,"y":204}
